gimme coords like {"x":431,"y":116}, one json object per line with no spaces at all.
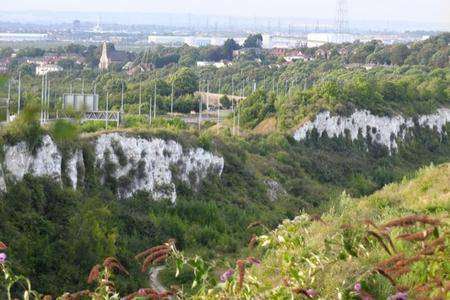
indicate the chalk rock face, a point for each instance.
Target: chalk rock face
{"x":382,"y":130}
{"x":274,"y":189}
{"x":74,"y":164}
{"x":2,"y":180}
{"x":137,"y":164}
{"x":152,"y":165}
{"x":46,"y":162}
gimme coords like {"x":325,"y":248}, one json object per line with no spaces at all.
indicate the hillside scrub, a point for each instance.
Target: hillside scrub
{"x":210,"y":222}
{"x":394,"y":243}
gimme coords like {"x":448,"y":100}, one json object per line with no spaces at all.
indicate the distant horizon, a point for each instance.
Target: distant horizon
{"x":416,"y":11}
{"x":110,"y":17}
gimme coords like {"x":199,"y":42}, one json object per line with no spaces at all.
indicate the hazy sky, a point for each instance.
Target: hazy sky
{"x":408,"y":10}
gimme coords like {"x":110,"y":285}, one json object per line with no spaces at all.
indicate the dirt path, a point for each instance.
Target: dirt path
{"x":154,"y":281}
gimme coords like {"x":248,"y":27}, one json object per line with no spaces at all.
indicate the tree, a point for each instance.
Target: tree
{"x":440,"y":59}
{"x":398,"y":54}
{"x":254,"y":41}
{"x":27,"y":69}
{"x":256,"y":108}
{"x":6,"y":52}
{"x":225,"y":102}
{"x":185,"y":81}
{"x":162,"y":88}
{"x":214,"y":54}
{"x":30,"y":52}
{"x":68,"y":64}
{"x":228,"y":47}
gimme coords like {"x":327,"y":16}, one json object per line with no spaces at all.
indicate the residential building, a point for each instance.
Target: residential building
{"x":44,"y":69}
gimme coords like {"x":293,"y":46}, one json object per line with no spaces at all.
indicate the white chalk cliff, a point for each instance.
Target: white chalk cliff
{"x":147,"y":165}
{"x":382,"y":130}
{"x":138,"y":164}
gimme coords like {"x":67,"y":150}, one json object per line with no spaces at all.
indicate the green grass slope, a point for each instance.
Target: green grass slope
{"x":394,"y":242}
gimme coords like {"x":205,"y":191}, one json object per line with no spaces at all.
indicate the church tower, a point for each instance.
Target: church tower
{"x":104,"y":60}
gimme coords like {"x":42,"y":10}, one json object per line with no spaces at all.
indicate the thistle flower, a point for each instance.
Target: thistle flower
{"x":3,"y":258}
{"x":357,"y":287}
{"x":142,"y":292}
{"x":253,"y":261}
{"x":227,"y":275}
{"x":311,"y":293}
{"x":399,"y":296}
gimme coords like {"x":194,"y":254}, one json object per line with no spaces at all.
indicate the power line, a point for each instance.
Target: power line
{"x":341,"y":18}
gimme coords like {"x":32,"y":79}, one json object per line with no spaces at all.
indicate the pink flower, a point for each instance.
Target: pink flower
{"x":358,"y":287}
{"x":311,"y":293}
{"x":142,"y":292}
{"x":254,"y":261}
{"x":399,"y":296}
{"x":2,"y":258}
{"x":227,"y":275}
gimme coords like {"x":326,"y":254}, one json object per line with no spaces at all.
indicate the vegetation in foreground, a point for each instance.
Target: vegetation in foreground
{"x":391,"y":245}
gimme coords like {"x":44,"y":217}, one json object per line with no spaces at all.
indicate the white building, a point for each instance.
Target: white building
{"x":193,"y":41}
{"x":217,"y":64}
{"x":170,"y":40}
{"x":318,"y":39}
{"x":282,"y":42}
{"x":18,"y":37}
{"x":45,"y":69}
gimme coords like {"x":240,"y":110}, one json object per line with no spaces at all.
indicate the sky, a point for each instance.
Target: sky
{"x":436,"y":11}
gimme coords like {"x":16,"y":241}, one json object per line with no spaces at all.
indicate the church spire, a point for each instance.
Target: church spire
{"x":104,"y":60}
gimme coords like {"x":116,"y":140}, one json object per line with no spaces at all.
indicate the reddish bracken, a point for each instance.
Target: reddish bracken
{"x":156,"y":254}
{"x":241,"y":268}
{"x":380,"y":239}
{"x":94,"y":274}
{"x":112,"y":263}
{"x":308,"y":293}
{"x":390,"y":261}
{"x":154,"y":258}
{"x":150,"y":251}
{"x":149,"y":294}
{"x":76,"y":296}
{"x":3,"y":246}
{"x":411,"y":220}
{"x":369,"y":223}
{"x":253,"y":261}
{"x":434,"y":246}
{"x":254,"y":224}
{"x":252,"y":242}
{"x":417,"y":236}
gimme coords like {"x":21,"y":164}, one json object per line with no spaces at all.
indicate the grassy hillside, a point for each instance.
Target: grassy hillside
{"x":48,"y":225}
{"x":394,"y":242}
{"x":210,"y":223}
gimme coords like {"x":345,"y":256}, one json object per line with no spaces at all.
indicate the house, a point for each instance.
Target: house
{"x":323,"y":53}
{"x":217,"y":64}
{"x":293,"y":56}
{"x":279,"y":52}
{"x":111,"y":57}
{"x":44,"y":69}
{"x":253,"y":52}
{"x":4,"y":66}
{"x":135,"y":69}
